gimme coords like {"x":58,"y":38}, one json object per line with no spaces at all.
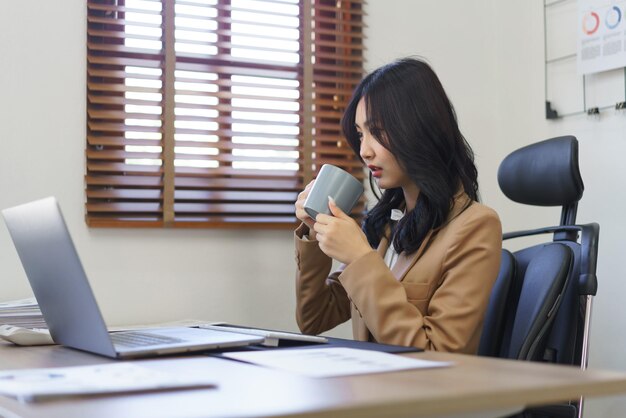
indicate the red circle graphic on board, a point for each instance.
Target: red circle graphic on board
{"x":591,"y":23}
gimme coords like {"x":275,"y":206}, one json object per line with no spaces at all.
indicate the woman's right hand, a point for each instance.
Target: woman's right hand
{"x":301,"y":213}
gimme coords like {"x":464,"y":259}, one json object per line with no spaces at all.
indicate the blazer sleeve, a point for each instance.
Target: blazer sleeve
{"x":321,"y":300}
{"x":455,"y":312}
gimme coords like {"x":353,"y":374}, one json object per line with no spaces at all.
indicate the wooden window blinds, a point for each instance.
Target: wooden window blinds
{"x":215,"y":113}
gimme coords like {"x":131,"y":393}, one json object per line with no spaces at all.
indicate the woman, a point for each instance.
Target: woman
{"x":420,"y":271}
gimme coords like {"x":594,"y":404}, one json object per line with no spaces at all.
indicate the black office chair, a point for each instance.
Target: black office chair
{"x":540,"y":306}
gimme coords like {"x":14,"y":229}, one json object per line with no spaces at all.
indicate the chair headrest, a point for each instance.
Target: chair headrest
{"x":543,"y":174}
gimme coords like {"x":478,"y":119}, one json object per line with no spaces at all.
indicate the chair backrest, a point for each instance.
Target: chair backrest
{"x":540,"y":296}
{"x":493,"y":326}
{"x":544,"y":174}
{"x":524,"y":301}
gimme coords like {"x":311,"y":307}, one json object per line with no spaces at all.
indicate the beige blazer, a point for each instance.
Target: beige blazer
{"x":435,"y":298}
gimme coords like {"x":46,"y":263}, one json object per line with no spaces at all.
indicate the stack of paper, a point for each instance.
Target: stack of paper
{"x":29,"y":385}
{"x":23,"y":313}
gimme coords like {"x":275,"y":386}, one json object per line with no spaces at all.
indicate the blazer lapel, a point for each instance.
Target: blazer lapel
{"x":404,"y":263}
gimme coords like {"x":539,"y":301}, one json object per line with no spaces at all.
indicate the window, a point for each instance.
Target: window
{"x":215,"y":113}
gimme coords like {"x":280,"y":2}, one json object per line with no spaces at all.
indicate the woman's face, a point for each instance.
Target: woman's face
{"x":382,"y":163}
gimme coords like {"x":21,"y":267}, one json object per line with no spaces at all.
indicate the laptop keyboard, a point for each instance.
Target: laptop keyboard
{"x":141,"y":339}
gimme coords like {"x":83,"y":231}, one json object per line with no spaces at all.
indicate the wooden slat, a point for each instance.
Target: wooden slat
{"x":114,"y":34}
{"x":194,"y":195}
{"x":351,"y":80}
{"x":345,"y":150}
{"x":339,"y":10}
{"x":127,"y":50}
{"x":127,"y":207}
{"x":117,"y":8}
{"x":205,"y":183}
{"x":225,"y":146}
{"x":273,"y":222}
{"x":212,"y":183}
{"x":358,"y":58}
{"x":120,"y":115}
{"x":121,"y":221}
{"x":268,"y":14}
{"x":228,"y":146}
{"x":229,"y":222}
{"x":111,"y":141}
{"x":112,"y":155}
{"x":111,"y":128}
{"x":334,"y":21}
{"x":225,"y":68}
{"x":235,"y":208}
{"x":120,"y":101}
{"x":125,"y":194}
{"x":118,"y":74}
{"x":110,"y":167}
{"x":230,"y":134}
{"x":339,"y":68}
{"x":97,"y":180}
{"x":357,"y":34}
{"x":110,"y":87}
{"x":120,"y":127}
{"x":148,"y":62}
{"x":123,"y":49}
{"x":235,"y":172}
{"x":117,"y":22}
{"x":105,"y":155}
{"x":342,"y":8}
{"x":340,"y":162}
{"x":181,"y":208}
{"x":131,"y":169}
{"x":335,"y":44}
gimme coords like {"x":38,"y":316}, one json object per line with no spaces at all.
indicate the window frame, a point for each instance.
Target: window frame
{"x":330,"y":66}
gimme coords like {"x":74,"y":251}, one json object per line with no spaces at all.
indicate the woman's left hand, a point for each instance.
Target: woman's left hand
{"x":339,"y":236}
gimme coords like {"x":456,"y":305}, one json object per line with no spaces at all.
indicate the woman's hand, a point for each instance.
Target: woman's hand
{"x":301,"y":213}
{"x":339,"y":236}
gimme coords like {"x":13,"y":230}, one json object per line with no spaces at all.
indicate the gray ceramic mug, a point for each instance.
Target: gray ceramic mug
{"x":337,"y":183}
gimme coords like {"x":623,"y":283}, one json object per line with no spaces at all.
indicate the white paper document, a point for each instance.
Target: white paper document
{"x":23,"y":312}
{"x":333,"y":361}
{"x":115,"y":378}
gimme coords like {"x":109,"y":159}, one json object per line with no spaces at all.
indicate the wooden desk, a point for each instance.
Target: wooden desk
{"x":474,"y":385}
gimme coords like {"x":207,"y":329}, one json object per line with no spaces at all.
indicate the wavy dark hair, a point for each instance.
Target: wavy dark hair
{"x":410,"y":114}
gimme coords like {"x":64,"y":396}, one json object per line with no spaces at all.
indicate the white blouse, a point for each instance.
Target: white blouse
{"x":391,"y":256}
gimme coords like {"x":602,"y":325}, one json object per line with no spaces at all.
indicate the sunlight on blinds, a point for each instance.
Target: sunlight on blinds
{"x":215,"y":113}
{"x":196,"y":118}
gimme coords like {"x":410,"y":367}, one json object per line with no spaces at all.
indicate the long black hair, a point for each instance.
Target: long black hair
{"x":410,"y":114}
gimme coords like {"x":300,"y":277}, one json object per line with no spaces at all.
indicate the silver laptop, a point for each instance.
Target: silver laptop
{"x":67,"y":302}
